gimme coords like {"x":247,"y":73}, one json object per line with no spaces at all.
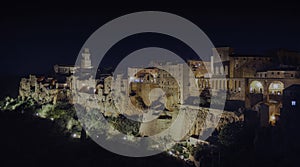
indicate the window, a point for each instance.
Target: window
{"x":293,"y":103}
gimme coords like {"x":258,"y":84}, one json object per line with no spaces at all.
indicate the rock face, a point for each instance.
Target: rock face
{"x":187,"y":121}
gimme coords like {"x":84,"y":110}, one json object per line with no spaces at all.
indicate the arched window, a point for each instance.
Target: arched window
{"x":256,"y":87}
{"x":276,"y":88}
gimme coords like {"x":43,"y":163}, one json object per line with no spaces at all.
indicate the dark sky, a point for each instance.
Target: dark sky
{"x":34,"y":37}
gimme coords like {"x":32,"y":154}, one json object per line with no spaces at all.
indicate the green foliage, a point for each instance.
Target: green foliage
{"x":29,"y":105}
{"x":178,"y":148}
{"x":11,"y":104}
{"x":2,"y":104}
{"x":186,"y":155}
{"x":63,"y":111}
{"x":125,"y":125}
{"x":232,"y":134}
{"x":65,"y":117}
{"x":191,"y":149}
{"x":94,"y":122}
{"x":45,"y":110}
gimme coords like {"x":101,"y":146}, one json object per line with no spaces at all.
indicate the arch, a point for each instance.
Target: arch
{"x":145,"y":75}
{"x":256,"y":87}
{"x":276,"y":88}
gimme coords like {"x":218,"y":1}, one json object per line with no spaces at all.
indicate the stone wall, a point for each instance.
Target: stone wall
{"x":41,"y":90}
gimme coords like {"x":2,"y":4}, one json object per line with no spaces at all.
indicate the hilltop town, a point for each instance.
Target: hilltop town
{"x":250,"y":82}
{"x":259,"y":89}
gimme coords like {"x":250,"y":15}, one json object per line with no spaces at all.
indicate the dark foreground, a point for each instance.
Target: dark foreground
{"x":29,"y":141}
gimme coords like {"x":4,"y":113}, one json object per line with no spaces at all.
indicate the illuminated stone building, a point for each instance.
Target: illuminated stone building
{"x":258,"y":81}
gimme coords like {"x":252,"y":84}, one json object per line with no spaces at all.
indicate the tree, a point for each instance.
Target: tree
{"x":125,"y":125}
{"x":231,"y":133}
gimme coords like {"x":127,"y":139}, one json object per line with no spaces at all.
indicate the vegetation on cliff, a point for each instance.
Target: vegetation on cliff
{"x":64,"y":116}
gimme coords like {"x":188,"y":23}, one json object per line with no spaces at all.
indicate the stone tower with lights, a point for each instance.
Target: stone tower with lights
{"x":86,"y":64}
{"x":86,"y":59}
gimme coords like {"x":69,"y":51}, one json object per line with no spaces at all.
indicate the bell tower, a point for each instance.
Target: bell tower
{"x":86,"y":60}
{"x":86,"y":67}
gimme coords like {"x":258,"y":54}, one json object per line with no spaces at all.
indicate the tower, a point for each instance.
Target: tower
{"x":86,"y":60}
{"x":86,"y":64}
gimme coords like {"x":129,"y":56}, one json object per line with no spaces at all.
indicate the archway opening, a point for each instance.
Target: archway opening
{"x":256,"y":87}
{"x":276,"y":88}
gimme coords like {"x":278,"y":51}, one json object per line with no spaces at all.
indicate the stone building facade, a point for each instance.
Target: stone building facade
{"x":257,"y":80}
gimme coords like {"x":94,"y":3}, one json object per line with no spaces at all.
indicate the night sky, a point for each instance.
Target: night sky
{"x":34,"y":37}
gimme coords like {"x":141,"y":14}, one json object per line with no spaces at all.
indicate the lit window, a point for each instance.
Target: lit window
{"x":293,"y":103}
